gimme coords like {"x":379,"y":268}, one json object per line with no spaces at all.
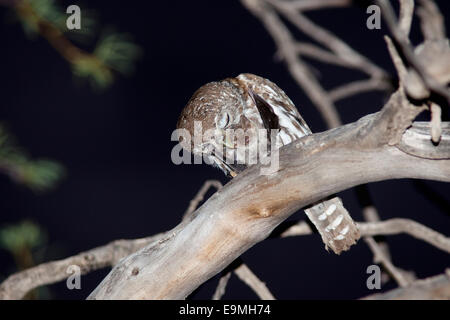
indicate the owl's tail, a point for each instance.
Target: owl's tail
{"x":337,"y":228}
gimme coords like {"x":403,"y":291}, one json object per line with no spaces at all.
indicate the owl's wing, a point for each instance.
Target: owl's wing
{"x":268,"y":117}
{"x":290,"y":122}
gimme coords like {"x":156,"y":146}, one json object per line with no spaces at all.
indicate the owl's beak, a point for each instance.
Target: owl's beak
{"x":229,"y":169}
{"x":225,"y":167}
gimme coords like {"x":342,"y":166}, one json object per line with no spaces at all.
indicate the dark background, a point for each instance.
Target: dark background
{"x":116,"y":144}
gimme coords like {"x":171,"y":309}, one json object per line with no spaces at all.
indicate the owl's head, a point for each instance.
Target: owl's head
{"x":217,"y":106}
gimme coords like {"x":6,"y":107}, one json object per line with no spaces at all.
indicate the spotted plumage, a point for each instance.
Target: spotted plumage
{"x":251,"y":102}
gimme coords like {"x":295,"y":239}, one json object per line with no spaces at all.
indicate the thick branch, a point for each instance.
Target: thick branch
{"x":248,"y":208}
{"x":17,"y":285}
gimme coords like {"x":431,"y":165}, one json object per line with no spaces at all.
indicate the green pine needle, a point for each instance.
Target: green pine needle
{"x":17,"y":237}
{"x":38,"y":175}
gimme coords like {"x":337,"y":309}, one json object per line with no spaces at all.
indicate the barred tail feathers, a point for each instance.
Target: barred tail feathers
{"x":335,"y":225}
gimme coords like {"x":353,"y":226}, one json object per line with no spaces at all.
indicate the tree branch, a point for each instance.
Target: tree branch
{"x":433,"y":288}
{"x":379,"y":256}
{"x":201,"y":195}
{"x":298,"y":69}
{"x":384,"y":228}
{"x":380,"y":146}
{"x":247,"y":276}
{"x":248,"y":208}
{"x":17,"y":285}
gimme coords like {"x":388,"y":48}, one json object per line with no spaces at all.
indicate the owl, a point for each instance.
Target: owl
{"x":254,"y":104}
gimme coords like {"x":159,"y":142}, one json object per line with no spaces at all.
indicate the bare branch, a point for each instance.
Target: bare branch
{"x":201,"y":195}
{"x":380,"y":257}
{"x":259,"y":287}
{"x":378,"y":147}
{"x":298,"y":70}
{"x":357,"y":87}
{"x":384,"y":228}
{"x":312,"y":51}
{"x":224,"y":227}
{"x":436,"y":129}
{"x":304,"y":5}
{"x":406,"y":16}
{"x":17,"y":285}
{"x":233,"y":220}
{"x":301,"y":228}
{"x":433,"y":288}
{"x":380,"y":250}
{"x":417,"y":65}
{"x":398,"y":63}
{"x":329,"y":40}
{"x":431,"y":20}
{"x":412,"y":228}
{"x":220,"y":290}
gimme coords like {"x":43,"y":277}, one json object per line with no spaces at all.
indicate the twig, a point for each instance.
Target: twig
{"x":433,"y":288}
{"x":380,"y":249}
{"x":305,"y":5}
{"x":220,"y":289}
{"x":398,"y":63}
{"x":402,"y":43}
{"x":201,"y":195}
{"x":357,"y":87}
{"x":436,"y":129}
{"x":329,"y":40}
{"x":383,"y":228}
{"x":301,"y":228}
{"x":380,"y":257}
{"x":259,"y":287}
{"x":312,"y":51}
{"x":341,"y":54}
{"x":410,"y":227}
{"x":431,"y":21}
{"x":406,"y":16}
{"x":298,"y":70}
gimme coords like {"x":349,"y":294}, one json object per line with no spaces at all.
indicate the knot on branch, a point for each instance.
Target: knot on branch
{"x":391,"y":122}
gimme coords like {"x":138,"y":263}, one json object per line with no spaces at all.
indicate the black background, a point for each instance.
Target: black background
{"x":116,"y":144}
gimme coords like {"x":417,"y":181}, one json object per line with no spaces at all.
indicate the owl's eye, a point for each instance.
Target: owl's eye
{"x":223,"y":120}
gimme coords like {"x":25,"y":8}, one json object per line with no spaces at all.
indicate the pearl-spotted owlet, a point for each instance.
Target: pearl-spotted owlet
{"x":252,"y":102}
